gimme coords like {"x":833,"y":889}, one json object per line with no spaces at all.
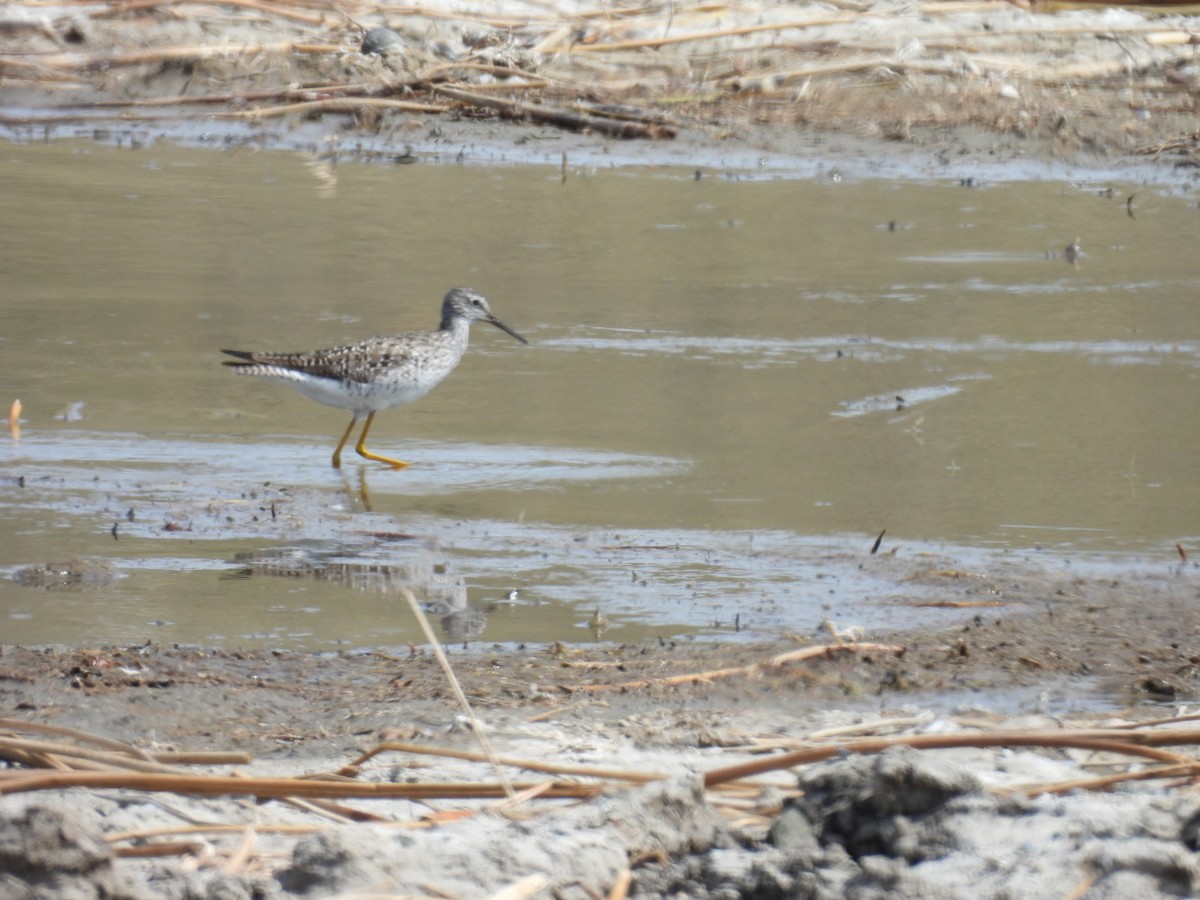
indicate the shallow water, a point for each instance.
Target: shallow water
{"x":731,"y":380}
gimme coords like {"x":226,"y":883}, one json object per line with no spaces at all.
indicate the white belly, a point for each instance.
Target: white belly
{"x":355,"y":396}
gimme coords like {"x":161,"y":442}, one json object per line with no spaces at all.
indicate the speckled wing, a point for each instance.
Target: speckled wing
{"x":358,"y":363}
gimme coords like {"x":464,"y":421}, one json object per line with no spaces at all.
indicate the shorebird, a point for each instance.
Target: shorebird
{"x":380,"y":372}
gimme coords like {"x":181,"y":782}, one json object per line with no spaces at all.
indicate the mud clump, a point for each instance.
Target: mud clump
{"x":49,"y":851}
{"x":905,"y":824}
{"x":578,"y":852}
{"x":871,"y":806}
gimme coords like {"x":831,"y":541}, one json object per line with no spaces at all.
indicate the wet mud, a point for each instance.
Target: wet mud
{"x":1050,"y":643}
{"x":1088,"y":648}
{"x":898,"y":825}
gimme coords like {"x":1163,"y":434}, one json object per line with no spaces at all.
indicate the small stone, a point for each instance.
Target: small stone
{"x":793,"y":832}
{"x":379,"y":41}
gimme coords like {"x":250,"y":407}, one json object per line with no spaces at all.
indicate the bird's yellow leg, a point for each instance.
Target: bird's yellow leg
{"x":337,"y":454}
{"x":367,"y":454}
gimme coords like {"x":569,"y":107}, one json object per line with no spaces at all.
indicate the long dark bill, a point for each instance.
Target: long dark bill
{"x":506,"y":329}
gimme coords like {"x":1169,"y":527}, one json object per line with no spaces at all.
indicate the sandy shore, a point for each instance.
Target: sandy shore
{"x":938,"y":89}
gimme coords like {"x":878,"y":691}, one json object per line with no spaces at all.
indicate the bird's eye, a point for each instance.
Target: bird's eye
{"x":475,"y":302}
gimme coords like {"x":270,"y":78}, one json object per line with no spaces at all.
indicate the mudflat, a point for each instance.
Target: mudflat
{"x":926,"y":89}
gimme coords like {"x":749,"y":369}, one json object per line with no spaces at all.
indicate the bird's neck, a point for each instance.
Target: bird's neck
{"x":456,"y":326}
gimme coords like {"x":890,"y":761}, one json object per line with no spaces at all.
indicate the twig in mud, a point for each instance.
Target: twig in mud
{"x":559,"y":117}
{"x":324,"y":809}
{"x":528,"y":79}
{"x":530,"y":765}
{"x":290,"y":93}
{"x":476,"y":725}
{"x":333,"y":104}
{"x":280,"y":788}
{"x":641,"y":547}
{"x":528,"y":887}
{"x":114,"y":755}
{"x":768,"y":81}
{"x":40,"y":121}
{"x":1105,"y":782}
{"x":1083,"y":741}
{"x":52,"y":753}
{"x":81,"y":736}
{"x":1189,"y":144}
{"x":292,"y":830}
{"x":782,"y":659}
{"x":154,"y":851}
{"x":117,"y":10}
{"x":91,"y":61}
{"x":623,"y":113}
{"x":645,"y":43}
{"x":763,"y":745}
{"x":620,"y":888}
{"x":1170,"y":720}
{"x":242,"y":853}
{"x":951,"y":604}
{"x":431,"y":12}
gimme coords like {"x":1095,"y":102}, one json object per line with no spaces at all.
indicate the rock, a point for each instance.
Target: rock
{"x":380,"y":41}
{"x":793,"y":832}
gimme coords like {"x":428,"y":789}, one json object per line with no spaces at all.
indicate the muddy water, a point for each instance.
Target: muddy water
{"x":731,"y":382}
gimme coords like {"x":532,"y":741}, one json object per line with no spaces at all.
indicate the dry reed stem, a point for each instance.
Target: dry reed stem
{"x":529,"y":886}
{"x":22,"y":747}
{"x":1104,"y":782}
{"x":434,"y":13}
{"x":289,"y":93}
{"x":165,"y":54}
{"x":955,"y":7}
{"x":530,"y":79}
{"x":81,"y":736}
{"x":99,"y":123}
{"x":528,"y":764}
{"x":154,"y":851}
{"x":323,"y":809}
{"x":1136,"y":741}
{"x":335,"y":105}
{"x":202,"y":758}
{"x":1083,"y":741}
{"x":278,"y":788}
{"x":561,"y":117}
{"x":644,"y":43}
{"x":242,"y":853}
{"x":119,"y":9}
{"x":1151,"y":723}
{"x":293,"y":830}
{"x":782,"y":659}
{"x":464,"y":704}
{"x":620,"y":888}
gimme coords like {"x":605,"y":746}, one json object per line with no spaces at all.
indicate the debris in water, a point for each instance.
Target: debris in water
{"x":73,"y":413}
